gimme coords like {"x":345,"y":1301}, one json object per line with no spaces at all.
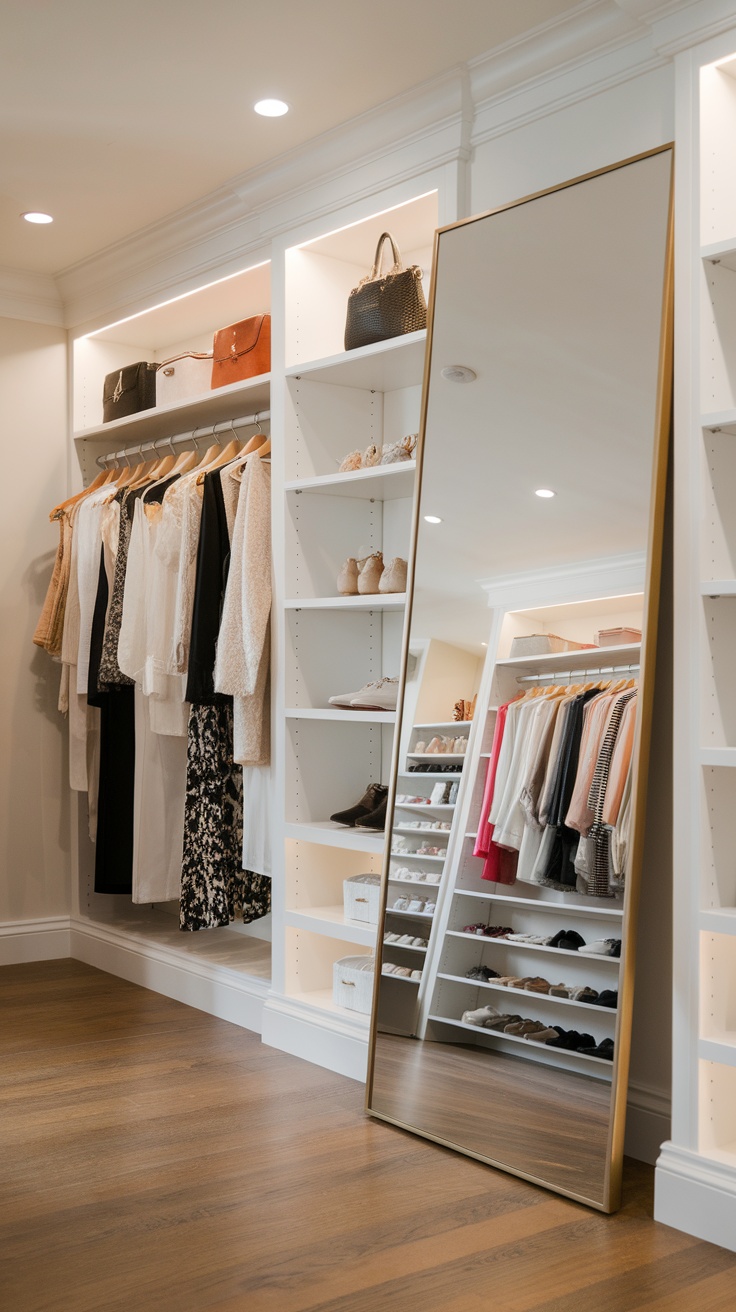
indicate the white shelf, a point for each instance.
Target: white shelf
{"x":450,"y":776}
{"x":719,"y":920}
{"x":331,"y":922}
{"x":410,"y":915}
{"x":380,"y":367}
{"x":723,"y":420}
{"x":450,"y":758}
{"x":423,"y":884}
{"x":534,"y":904}
{"x":418,"y":856}
{"x":718,"y":756}
{"x":722,"y":251}
{"x":590,"y":658}
{"x":722,"y":1051}
{"x":200,"y":411}
{"x":340,"y":716}
{"x":517,"y":1038}
{"x":718,"y":588}
{"x":381,"y":483}
{"x":404,"y":947}
{"x":525,"y":993}
{"x":420,"y":833}
{"x":432,"y":806}
{"x":374,"y":601}
{"x":445,"y":724}
{"x":530,"y":947}
{"x":322,"y":1000}
{"x":332,"y":835}
{"x":401,"y":979}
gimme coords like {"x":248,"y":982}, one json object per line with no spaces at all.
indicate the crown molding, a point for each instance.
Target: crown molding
{"x":680,"y":24}
{"x":408,"y":138}
{"x":34,"y":297}
{"x":581,"y":580}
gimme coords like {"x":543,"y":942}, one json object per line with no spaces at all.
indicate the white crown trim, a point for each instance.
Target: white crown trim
{"x":608,"y":576}
{"x":33,"y":297}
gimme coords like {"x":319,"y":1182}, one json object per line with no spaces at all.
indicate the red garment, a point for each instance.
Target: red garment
{"x":500,"y":863}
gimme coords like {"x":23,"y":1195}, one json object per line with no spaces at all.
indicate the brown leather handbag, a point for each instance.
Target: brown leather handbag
{"x":242,"y":351}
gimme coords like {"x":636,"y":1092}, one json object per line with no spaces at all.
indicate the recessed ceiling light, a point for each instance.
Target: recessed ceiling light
{"x":35,"y":216}
{"x":433,"y":519}
{"x":271,"y":108}
{"x":544,"y":492}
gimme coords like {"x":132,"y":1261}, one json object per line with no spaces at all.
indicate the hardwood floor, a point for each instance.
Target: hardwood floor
{"x":154,"y":1158}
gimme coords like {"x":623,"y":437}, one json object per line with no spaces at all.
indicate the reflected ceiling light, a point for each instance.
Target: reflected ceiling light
{"x":459,"y":373}
{"x":35,"y":216}
{"x":271,"y":108}
{"x":484,"y":644}
{"x":433,"y":519}
{"x":544,"y":492}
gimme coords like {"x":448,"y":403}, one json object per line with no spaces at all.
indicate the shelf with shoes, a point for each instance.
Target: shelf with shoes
{"x":161,"y":333}
{"x":380,"y":482}
{"x":490,"y":1038}
{"x":524,"y":993}
{"x":339,"y":715}
{"x":331,"y":921}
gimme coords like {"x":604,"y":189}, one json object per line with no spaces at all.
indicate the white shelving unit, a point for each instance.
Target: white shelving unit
{"x":695,"y":1184}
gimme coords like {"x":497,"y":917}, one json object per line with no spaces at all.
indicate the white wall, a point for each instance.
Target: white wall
{"x":34,"y":795}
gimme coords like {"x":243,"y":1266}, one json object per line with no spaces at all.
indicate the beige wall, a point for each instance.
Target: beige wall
{"x":34,"y":796}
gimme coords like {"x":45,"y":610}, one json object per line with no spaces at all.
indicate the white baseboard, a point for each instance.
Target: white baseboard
{"x":325,"y":1040}
{"x":217,"y":990}
{"x":648,"y":1114}
{"x":47,"y":939}
{"x":696,"y":1194}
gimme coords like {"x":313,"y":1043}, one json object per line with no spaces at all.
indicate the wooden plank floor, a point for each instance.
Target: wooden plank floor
{"x":154,"y":1158}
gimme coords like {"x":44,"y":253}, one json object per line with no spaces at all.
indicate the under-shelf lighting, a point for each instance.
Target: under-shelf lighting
{"x":36,"y":216}
{"x":140,"y":314}
{"x":312,"y":241}
{"x":271,"y":108}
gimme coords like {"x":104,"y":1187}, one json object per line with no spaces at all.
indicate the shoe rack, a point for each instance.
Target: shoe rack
{"x":696,"y":1173}
{"x":446,"y":991}
{"x":336,"y":403}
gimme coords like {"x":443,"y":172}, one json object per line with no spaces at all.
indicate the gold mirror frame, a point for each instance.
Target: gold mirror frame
{"x":617,"y":1118}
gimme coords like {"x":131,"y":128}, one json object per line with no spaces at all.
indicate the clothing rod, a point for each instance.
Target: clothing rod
{"x":159,"y":443}
{"x":568,"y":675}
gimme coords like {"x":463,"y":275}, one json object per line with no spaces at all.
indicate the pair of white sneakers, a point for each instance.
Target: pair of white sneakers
{"x":418,"y":906}
{"x":417,"y":876}
{"x":405,"y":941}
{"x":381,"y":695}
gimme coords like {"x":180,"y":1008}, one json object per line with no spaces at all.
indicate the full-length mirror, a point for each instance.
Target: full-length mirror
{"x":504,"y":1000}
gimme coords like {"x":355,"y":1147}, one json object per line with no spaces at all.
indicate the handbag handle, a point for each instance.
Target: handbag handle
{"x":397,"y":264}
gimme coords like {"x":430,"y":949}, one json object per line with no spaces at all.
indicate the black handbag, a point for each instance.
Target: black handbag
{"x":128,"y":390}
{"x":385,"y":305}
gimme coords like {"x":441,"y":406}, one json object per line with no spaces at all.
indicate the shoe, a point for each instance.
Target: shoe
{"x":560,"y":991}
{"x":417,"y":905}
{"x":401,"y":904}
{"x":375,"y":821}
{"x":369,"y":570}
{"x":480,"y":1016}
{"x":568,"y":940}
{"x":393,"y":452}
{"x":434,"y":745}
{"x":604,"y":1049}
{"x":347,"y":579}
{"x":371,"y":456}
{"x":416,"y":974}
{"x":392,"y":938}
{"x":475,"y":929}
{"x":440,"y":794}
{"x":452,"y":797}
{"x":372,"y":797}
{"x":584,"y":995}
{"x":537,"y":985}
{"x":501,"y":1022}
{"x":420,"y":747}
{"x":432,"y":876}
{"x":352,"y":461}
{"x":602,"y":947}
{"x":405,"y":941}
{"x":393,"y":578}
{"x":608,"y":998}
{"x":380,"y":695}
{"x":420,"y":942}
{"x":542,"y":1036}
{"x":430,"y":908}
{"x":483,"y":973}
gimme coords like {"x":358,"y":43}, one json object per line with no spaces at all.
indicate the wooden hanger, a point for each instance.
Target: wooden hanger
{"x":97,"y":482}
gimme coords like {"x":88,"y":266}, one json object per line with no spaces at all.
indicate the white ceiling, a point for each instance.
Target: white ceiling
{"x":114,"y":115}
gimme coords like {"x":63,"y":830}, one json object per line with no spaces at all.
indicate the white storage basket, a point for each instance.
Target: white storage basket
{"x":541,"y":644}
{"x":352,"y":983}
{"x":185,"y":375}
{"x":362,"y":898}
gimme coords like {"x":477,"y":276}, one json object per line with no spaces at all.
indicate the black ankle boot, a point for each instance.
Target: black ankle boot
{"x":375,"y":820}
{"x":372,"y":798}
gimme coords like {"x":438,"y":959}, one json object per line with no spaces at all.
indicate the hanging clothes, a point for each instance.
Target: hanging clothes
{"x":499,"y":864}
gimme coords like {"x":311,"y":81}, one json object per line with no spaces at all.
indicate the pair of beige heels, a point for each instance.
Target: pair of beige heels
{"x":370,"y":575}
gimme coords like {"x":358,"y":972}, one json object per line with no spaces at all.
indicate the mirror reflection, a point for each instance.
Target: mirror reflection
{"x":504,"y":1001}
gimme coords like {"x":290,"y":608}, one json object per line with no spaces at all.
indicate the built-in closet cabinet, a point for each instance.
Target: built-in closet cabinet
{"x":319,"y":403}
{"x":696,"y":1174}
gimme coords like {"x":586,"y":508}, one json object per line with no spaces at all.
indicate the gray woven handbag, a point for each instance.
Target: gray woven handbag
{"x":385,"y":305}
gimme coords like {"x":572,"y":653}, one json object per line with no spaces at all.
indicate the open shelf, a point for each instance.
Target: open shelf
{"x":531,"y":947}
{"x":589,"y":658}
{"x":534,"y":904}
{"x":450,"y":758}
{"x":404,"y":947}
{"x":723,"y":421}
{"x":340,"y":715}
{"x":445,"y":724}
{"x":410,"y":915}
{"x":321,"y":1000}
{"x":721,"y":1051}
{"x":333,"y":835}
{"x":517,"y":1038}
{"x":718,"y":920}
{"x":418,"y":856}
{"x":379,"y":367}
{"x":431,"y":806}
{"x":718,"y":756}
{"x":718,"y":588}
{"x":525,"y":993}
{"x":722,"y":251}
{"x":450,"y":776}
{"x":380,"y":483}
{"x":214,"y":407}
{"x":331,"y":921}
{"x":374,"y":601}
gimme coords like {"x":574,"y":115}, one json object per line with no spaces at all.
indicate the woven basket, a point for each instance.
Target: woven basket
{"x":362,"y":898}
{"x":352,"y":983}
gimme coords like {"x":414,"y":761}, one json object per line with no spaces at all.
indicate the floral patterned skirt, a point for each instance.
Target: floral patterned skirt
{"x":215,"y":890}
